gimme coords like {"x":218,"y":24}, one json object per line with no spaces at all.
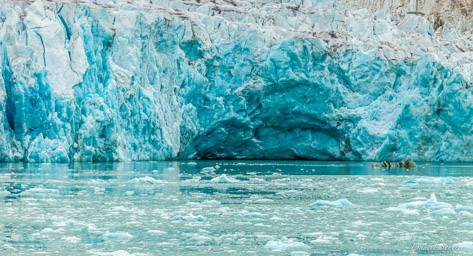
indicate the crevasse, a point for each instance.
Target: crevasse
{"x":297,"y":79}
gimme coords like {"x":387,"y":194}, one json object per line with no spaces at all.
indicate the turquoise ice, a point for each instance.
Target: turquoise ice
{"x":159,"y":80}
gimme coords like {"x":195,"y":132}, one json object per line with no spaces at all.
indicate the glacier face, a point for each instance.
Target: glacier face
{"x":297,"y":79}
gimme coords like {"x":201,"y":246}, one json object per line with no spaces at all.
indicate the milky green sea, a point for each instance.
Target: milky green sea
{"x":235,"y":208}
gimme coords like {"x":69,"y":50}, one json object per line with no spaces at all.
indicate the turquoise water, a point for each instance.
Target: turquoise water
{"x":256,"y":208}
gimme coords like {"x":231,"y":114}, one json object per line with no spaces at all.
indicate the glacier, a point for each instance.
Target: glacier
{"x":115,"y":80}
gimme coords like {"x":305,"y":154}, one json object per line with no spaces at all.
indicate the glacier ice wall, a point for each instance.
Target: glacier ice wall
{"x":297,"y":79}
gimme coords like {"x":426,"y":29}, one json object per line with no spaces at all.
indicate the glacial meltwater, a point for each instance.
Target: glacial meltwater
{"x":235,"y":208}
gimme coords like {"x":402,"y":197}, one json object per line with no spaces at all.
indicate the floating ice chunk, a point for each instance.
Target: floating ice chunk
{"x":463,"y":247}
{"x":368,"y":190}
{"x":264,"y":201}
{"x":224,"y":179}
{"x":411,"y":212}
{"x":288,"y":192}
{"x":305,"y":180}
{"x":148,"y":180}
{"x":193,"y":204}
{"x":255,"y":215}
{"x":430,"y":180}
{"x":71,"y":239}
{"x":208,"y":169}
{"x":323,"y":240}
{"x":460,"y":207}
{"x":99,"y":189}
{"x":202,"y":238}
{"x":159,"y":232}
{"x":210,"y":203}
{"x":285,"y":245}
{"x":189,"y":217}
{"x":444,"y":211}
{"x":195,"y":179}
{"x":377,"y":179}
{"x":439,"y":208}
{"x":115,"y":253}
{"x":431,"y":203}
{"x":120,"y":236}
{"x":339,"y":202}
{"x":467,"y":214}
{"x":129,"y":193}
{"x":50,"y":230}
{"x":256,"y":181}
{"x":283,"y":180}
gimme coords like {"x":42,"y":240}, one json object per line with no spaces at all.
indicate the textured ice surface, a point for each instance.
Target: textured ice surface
{"x":147,"y":80}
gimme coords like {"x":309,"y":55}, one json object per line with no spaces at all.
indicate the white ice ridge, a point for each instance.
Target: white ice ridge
{"x":115,"y":80}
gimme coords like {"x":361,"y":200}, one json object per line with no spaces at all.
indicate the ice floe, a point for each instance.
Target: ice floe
{"x":224,"y":179}
{"x":437,"y":208}
{"x":120,"y":236}
{"x":339,"y":202}
{"x":289,"y":244}
{"x":147,"y":180}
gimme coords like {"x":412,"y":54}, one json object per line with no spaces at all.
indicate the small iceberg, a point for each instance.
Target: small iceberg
{"x":210,"y":203}
{"x":431,"y":203}
{"x":208,"y":169}
{"x":339,"y":202}
{"x":148,"y":180}
{"x":121,"y":236}
{"x":438,"y":208}
{"x":283,"y":180}
{"x":285,"y":245}
{"x":430,"y":180}
{"x":190,"y":217}
{"x":444,"y":211}
{"x":460,"y":207}
{"x":368,"y":190}
{"x":224,"y":179}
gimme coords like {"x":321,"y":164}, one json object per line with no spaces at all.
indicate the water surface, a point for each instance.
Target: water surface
{"x":235,"y":208}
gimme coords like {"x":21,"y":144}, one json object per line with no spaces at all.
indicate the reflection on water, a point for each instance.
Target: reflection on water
{"x":216,"y":207}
